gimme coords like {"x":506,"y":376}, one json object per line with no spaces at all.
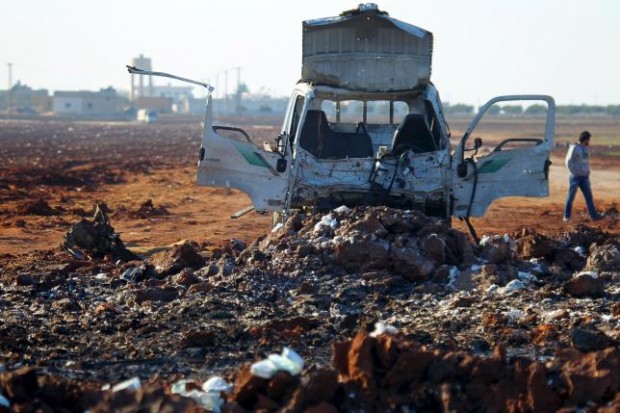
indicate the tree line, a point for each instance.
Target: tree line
{"x":535,"y":110}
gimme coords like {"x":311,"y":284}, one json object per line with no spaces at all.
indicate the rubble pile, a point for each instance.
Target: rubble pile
{"x":390,"y":311}
{"x":96,"y":237}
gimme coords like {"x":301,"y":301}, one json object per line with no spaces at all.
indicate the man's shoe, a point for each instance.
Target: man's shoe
{"x":598,"y":217}
{"x":565,"y":219}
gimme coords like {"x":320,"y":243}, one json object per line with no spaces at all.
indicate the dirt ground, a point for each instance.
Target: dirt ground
{"x":71,"y":165}
{"x":388,"y":310}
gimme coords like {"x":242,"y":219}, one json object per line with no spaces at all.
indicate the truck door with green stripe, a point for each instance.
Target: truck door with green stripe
{"x":514,"y":162}
{"x":230,"y":158}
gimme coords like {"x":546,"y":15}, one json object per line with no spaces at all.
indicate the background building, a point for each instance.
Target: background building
{"x":104,"y":103}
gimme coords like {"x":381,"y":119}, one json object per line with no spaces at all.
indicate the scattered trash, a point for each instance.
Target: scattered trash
{"x":326,"y":221}
{"x":101,"y":276}
{"x":288,"y":361}
{"x":383,"y":328}
{"x":131,"y":274}
{"x":493,"y":288}
{"x":264,"y":369}
{"x":453,"y":277}
{"x":484,"y":240}
{"x":586,"y":274}
{"x":513,"y":286}
{"x":526,"y":276}
{"x":209,"y":397}
{"x":514,"y":314}
{"x":131,"y":384}
{"x":217,"y":384}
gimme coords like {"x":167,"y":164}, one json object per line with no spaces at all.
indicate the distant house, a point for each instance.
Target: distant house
{"x":106,"y":102}
{"x":23,"y":99}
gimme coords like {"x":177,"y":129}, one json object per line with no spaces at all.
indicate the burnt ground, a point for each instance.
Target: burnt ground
{"x":527,"y":320}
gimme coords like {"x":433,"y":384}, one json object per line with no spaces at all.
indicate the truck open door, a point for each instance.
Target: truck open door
{"x":516,"y":166}
{"x":229,"y":158}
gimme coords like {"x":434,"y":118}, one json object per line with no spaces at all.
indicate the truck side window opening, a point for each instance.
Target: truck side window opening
{"x":299,"y":104}
{"x":434,"y":125}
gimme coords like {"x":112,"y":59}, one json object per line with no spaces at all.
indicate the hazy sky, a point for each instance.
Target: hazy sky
{"x":482,"y":48}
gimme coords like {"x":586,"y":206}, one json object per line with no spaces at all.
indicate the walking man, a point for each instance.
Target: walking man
{"x":578,"y":163}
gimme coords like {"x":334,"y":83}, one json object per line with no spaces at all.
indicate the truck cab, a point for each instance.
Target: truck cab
{"x":365,"y":126}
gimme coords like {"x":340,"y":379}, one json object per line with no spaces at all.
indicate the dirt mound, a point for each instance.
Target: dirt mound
{"x":381,"y":373}
{"x":38,"y":207}
{"x":531,"y":317}
{"x":147,"y":210}
{"x":96,"y":238}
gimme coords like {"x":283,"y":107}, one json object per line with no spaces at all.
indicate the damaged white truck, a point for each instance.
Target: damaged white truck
{"x":365,"y":126}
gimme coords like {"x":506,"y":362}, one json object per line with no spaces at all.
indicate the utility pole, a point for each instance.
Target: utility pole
{"x":238,"y":94}
{"x":226,"y":91}
{"x":9,"y":92}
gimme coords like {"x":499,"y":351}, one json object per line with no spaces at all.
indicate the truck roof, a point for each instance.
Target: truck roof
{"x":366,"y":49}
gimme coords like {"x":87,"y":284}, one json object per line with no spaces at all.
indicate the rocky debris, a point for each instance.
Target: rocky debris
{"x":96,"y":238}
{"x":179,"y":257}
{"x":585,"y":285}
{"x":604,"y":258}
{"x":588,"y":338}
{"x":148,"y":210}
{"x":382,"y":373}
{"x":511,"y":314}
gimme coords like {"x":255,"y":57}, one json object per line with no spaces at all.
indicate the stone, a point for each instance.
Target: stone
{"x":585,"y":285}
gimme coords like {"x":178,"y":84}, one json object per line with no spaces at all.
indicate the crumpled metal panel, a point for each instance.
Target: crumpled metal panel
{"x":366,"y":50}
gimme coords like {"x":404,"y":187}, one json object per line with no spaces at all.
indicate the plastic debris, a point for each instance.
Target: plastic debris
{"x":292,"y":355}
{"x":581,"y":251}
{"x":131,"y":384}
{"x":484,"y":240}
{"x":131,"y":274}
{"x":77,"y":254}
{"x":514,"y":314}
{"x":586,"y":273}
{"x":383,"y":328}
{"x":475,"y":268}
{"x":326,"y":221}
{"x":493,"y":288}
{"x":265,"y":369}
{"x":217,"y":384}
{"x":514,"y":285}
{"x":180,"y":387}
{"x":341,"y":209}
{"x":284,"y":364}
{"x":209,"y":397}
{"x":526,"y":276}
{"x":288,"y":361}
{"x":453,"y":277}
